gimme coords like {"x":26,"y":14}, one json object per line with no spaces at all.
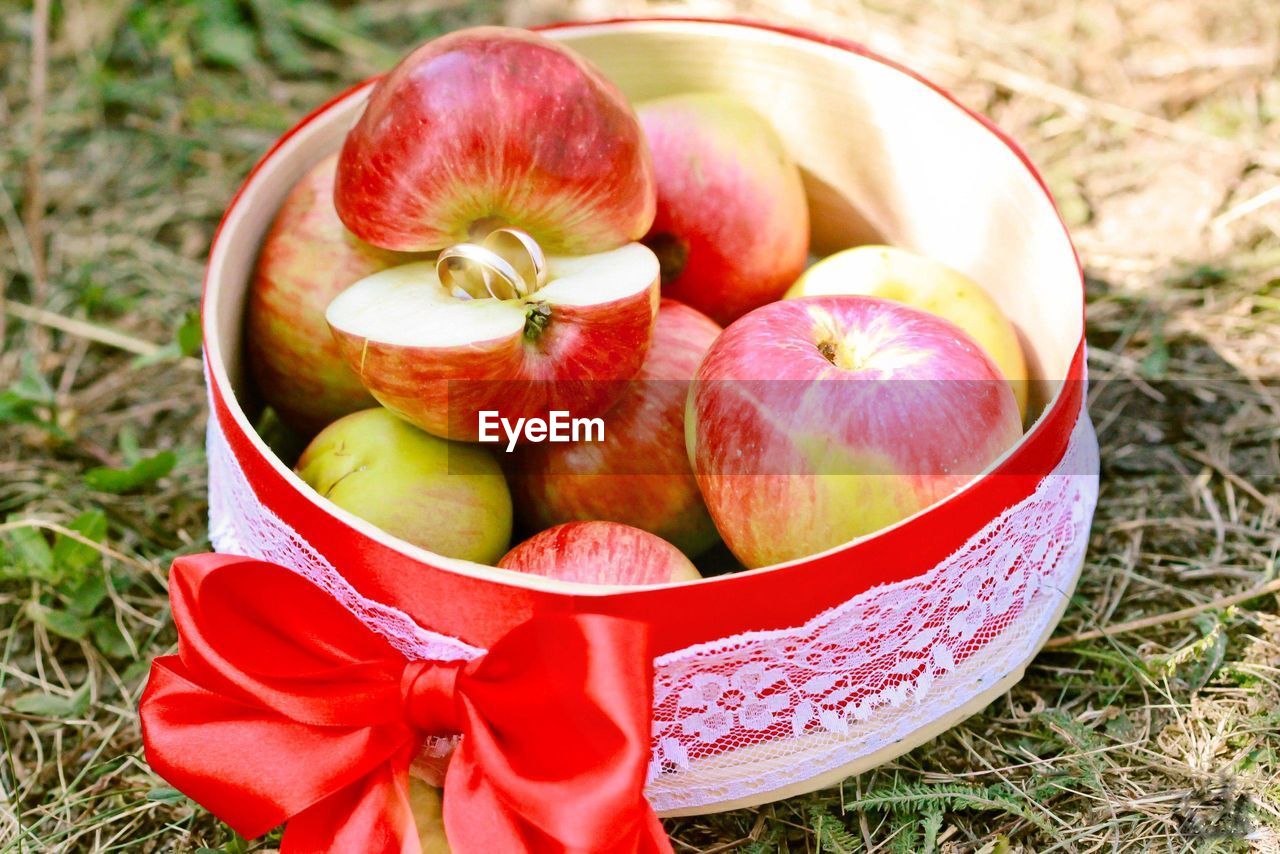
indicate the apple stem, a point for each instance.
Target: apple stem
{"x":536,"y":319}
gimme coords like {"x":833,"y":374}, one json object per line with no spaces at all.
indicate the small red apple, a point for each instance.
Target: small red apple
{"x":817,"y":420}
{"x":732,"y":223}
{"x":639,"y":474}
{"x":600,"y":553}
{"x":442,"y":357}
{"x":495,"y":125}
{"x":307,"y":259}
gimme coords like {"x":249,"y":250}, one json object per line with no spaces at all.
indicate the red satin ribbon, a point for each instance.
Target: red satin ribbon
{"x":281,"y":706}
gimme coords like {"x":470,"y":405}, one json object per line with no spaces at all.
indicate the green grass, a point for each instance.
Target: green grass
{"x":1157,"y":131}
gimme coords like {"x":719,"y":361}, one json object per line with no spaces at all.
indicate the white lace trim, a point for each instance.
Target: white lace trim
{"x":763,"y":710}
{"x":740,"y":716}
{"x":241,"y":524}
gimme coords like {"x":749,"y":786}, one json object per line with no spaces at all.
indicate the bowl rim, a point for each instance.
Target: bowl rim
{"x":1057,"y":417}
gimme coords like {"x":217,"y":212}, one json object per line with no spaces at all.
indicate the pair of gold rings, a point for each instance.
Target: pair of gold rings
{"x":507,"y":264}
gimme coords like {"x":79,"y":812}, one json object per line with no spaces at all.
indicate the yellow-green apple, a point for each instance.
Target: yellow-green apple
{"x":814,"y":421}
{"x":426,"y":802}
{"x":494,"y":125}
{"x":443,"y":358}
{"x":600,"y":553}
{"x":896,"y":274}
{"x":639,"y":473}
{"x":732,"y":224}
{"x":447,"y":497}
{"x":307,"y":259}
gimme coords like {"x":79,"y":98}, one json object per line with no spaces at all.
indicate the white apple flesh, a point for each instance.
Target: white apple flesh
{"x":439,"y":357}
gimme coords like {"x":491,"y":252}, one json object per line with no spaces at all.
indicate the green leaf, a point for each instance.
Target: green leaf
{"x":282,"y":43}
{"x":53,"y":706}
{"x":106,"y":767}
{"x":906,"y":836}
{"x":109,"y":639}
{"x":328,"y":27}
{"x":31,"y":384}
{"x":127,"y":441}
{"x":931,"y":826}
{"x":32,"y":550}
{"x":62,"y":623}
{"x":136,"y":671}
{"x":833,"y":836}
{"x":72,"y":556}
{"x":1156,"y":362}
{"x":165,"y":794}
{"x":189,"y":336}
{"x":280,"y":438}
{"x":225,"y":45}
{"x":142,"y":473}
{"x":31,"y":400}
{"x":85,"y":597}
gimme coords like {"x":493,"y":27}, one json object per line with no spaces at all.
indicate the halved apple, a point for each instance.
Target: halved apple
{"x":495,"y":124}
{"x":439,"y":355}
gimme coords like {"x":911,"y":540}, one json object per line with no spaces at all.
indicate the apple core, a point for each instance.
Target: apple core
{"x":672,"y":252}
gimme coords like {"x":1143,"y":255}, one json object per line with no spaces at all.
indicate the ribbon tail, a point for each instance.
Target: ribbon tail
{"x":555,"y":742}
{"x":251,"y":768}
{"x":653,"y":837}
{"x":372,"y":816}
{"x":477,"y":820}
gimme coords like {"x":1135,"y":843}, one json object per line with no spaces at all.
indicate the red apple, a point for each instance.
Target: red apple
{"x":639,"y":474}
{"x":817,"y":420}
{"x":732,"y":224}
{"x":490,"y":125}
{"x":443,"y":358}
{"x":307,"y":259}
{"x":600,"y":553}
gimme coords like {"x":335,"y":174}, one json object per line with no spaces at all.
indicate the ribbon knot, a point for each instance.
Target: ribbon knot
{"x":303,"y":715}
{"x":429,"y":696}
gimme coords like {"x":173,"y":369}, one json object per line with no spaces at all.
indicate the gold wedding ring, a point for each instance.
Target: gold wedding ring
{"x":522,"y":252}
{"x":477,"y":272}
{"x":507,"y":264}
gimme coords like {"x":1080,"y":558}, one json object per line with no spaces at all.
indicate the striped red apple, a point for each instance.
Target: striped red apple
{"x":496,"y":125}
{"x":307,"y":259}
{"x":482,"y":132}
{"x":600,"y":553}
{"x":732,"y":223}
{"x":639,"y":473}
{"x":814,"y":421}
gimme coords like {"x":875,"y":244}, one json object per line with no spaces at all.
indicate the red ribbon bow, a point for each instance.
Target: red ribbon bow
{"x":281,"y":706}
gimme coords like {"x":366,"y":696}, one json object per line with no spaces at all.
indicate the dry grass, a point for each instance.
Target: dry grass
{"x":1158,"y":126}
